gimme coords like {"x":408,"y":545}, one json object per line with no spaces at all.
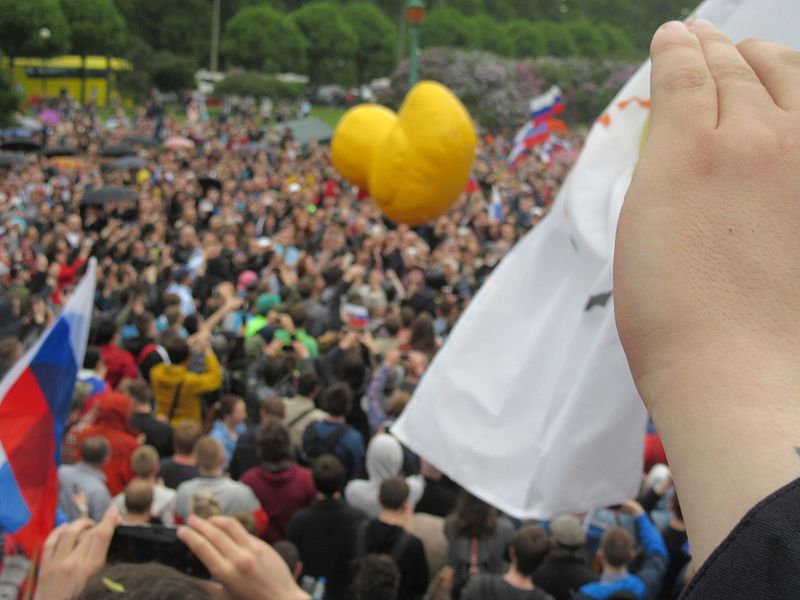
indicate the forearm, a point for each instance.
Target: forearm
{"x":731,"y":431}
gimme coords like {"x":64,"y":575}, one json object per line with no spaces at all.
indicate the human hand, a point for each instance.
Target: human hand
{"x":706,"y":279}
{"x":708,"y":223}
{"x":632,"y":508}
{"x":247,"y":568}
{"x":81,"y":502}
{"x":300,"y":350}
{"x":72,"y":554}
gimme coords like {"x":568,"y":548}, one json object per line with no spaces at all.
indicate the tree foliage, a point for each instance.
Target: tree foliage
{"x":179,"y":26}
{"x":96,"y":26}
{"x":261,"y":38}
{"x":21,"y":22}
{"x":588,"y":40}
{"x":556,"y":41}
{"x":524,"y":39}
{"x":447,"y":27}
{"x":9,"y":100}
{"x":332,"y":42}
{"x":377,"y":41}
{"x":171,"y":73}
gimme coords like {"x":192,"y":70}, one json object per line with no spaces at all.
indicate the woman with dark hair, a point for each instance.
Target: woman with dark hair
{"x":423,"y":336}
{"x":478,"y":539}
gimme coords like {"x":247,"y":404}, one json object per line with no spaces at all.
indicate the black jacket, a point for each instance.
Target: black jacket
{"x":325,"y":535}
{"x":382,"y":539}
{"x":561,"y":577}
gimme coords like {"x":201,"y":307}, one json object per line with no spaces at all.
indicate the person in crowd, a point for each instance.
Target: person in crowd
{"x":384,"y":460}
{"x":301,"y":409}
{"x":440,"y":495}
{"x":617,"y":552}
{"x":232,"y":496}
{"x":113,"y":423}
{"x":325,"y":532}
{"x":230,"y":424}
{"x":156,"y":433}
{"x":182,"y":465}
{"x":527,"y":552}
{"x":11,"y":351}
{"x":82,"y":486}
{"x":388,"y":535}
{"x":566,"y":569}
{"x":145,"y":466}
{"x":677,"y":543}
{"x":138,"y":503}
{"x":280,"y":484}
{"x":291,"y":556}
{"x":478,"y":538}
{"x":178,"y":391}
{"x":119,"y":363}
{"x":333,"y":435}
{"x":93,"y":372}
{"x":245,"y":455}
{"x":378,"y":578}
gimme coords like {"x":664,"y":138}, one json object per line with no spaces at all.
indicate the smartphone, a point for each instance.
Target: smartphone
{"x":154,"y":543}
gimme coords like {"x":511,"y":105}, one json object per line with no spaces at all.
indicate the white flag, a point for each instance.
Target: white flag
{"x":530,"y":404}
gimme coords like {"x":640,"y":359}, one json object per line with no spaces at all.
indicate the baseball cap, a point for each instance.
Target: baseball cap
{"x":567,"y":532}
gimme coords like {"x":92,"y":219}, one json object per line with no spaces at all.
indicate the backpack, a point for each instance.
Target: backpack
{"x":314,"y":445}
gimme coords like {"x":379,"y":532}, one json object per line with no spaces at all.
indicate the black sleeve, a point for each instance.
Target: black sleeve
{"x":415,"y":568}
{"x":759,"y":559}
{"x":648,"y":500}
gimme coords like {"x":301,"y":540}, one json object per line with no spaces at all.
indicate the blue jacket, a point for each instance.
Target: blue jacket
{"x":646,"y":583}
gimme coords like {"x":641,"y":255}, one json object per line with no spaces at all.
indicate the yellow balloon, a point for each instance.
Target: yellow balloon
{"x":417,"y":166}
{"x":355,"y":140}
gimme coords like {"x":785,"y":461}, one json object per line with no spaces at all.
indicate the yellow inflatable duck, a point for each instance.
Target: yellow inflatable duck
{"x":415,"y":163}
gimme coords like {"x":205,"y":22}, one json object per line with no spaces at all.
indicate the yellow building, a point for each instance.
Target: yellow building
{"x":47,"y":77}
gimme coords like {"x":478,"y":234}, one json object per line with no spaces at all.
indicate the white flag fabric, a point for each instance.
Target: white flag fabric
{"x":530,"y":404}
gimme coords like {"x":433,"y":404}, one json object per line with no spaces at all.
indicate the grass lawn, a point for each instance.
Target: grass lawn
{"x":329,"y":114}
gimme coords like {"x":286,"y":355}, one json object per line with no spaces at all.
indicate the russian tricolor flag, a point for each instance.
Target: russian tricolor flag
{"x":35,"y":400}
{"x":547,"y":105}
{"x":527,"y":137}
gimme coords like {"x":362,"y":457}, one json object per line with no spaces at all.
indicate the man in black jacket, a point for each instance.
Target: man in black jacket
{"x":325,"y":533}
{"x":565,"y":570}
{"x":387,"y":535}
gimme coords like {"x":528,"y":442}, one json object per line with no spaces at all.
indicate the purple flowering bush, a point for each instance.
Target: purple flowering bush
{"x":497,"y":90}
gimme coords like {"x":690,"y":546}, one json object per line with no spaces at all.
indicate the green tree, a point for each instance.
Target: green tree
{"x":171,"y":73}
{"x":447,"y":27}
{"x":490,"y":35}
{"x":466,"y":7}
{"x":524,"y":39}
{"x":618,"y":44}
{"x":587,"y":38}
{"x":96,"y":27}
{"x":261,"y":38}
{"x":557,"y":42}
{"x":22,"y":23}
{"x":9,"y":100}
{"x":332,"y":43}
{"x":377,"y":40}
{"x":179,"y":26}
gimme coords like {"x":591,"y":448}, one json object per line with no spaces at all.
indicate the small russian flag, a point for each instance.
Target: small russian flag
{"x":547,"y":105}
{"x":35,"y":399}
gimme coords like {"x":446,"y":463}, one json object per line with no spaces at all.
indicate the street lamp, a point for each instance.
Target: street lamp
{"x":44,"y":35}
{"x":415,"y":13}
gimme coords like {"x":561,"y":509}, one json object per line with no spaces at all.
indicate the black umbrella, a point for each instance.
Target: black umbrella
{"x":117,"y":150}
{"x":9,"y":160}
{"x":142,"y":140}
{"x":20,"y":145}
{"x":106,"y":194}
{"x":51,"y":151}
{"x":252,"y":148}
{"x":209,"y":182}
{"x":127,"y":163}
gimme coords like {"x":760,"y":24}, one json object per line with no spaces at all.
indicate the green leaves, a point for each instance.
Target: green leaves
{"x":261,"y":38}
{"x":332,"y":43}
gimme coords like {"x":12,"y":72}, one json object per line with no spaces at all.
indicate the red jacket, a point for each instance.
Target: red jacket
{"x":114,"y":413}
{"x":119,"y":364}
{"x":281,"y":493}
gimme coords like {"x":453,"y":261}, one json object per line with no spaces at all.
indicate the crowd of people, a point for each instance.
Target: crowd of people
{"x":258,"y":327}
